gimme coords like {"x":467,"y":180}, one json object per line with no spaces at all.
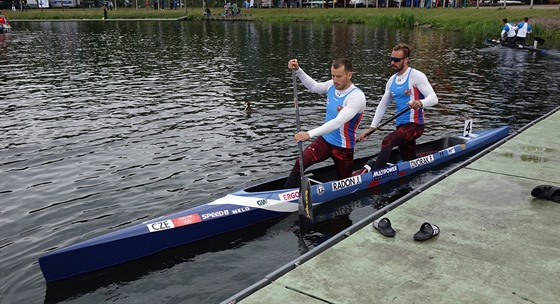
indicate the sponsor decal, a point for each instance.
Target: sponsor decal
{"x":419,"y":162}
{"x":408,"y":92}
{"x":381,"y":173}
{"x":159,"y":226}
{"x":216,"y":214}
{"x":463,"y":146}
{"x":240,"y":210}
{"x":186,"y":220}
{"x":347,"y":182}
{"x":450,"y":151}
{"x":262,"y":202}
{"x":320,"y":190}
{"x":288,"y":196}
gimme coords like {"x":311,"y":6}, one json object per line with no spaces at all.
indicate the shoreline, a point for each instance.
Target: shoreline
{"x":485,"y":20}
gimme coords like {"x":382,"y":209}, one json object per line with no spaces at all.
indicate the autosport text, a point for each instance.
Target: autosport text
{"x":345,"y":183}
{"x":379,"y":174}
{"x":421,"y":161}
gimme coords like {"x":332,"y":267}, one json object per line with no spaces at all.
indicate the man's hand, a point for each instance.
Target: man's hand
{"x":301,"y":136}
{"x":293,"y":65}
{"x":415,"y":104}
{"x":365,"y":135}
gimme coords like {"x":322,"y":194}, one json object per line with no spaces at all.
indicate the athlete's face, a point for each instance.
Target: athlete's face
{"x":341,"y":78}
{"x":399,"y":63}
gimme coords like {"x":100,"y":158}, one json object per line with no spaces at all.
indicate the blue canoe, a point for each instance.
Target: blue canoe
{"x":247,"y":207}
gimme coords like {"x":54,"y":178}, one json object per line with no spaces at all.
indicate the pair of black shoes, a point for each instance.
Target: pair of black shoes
{"x":427,"y":230}
{"x":546,"y":192}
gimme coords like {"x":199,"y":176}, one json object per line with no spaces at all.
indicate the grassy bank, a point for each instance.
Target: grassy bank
{"x":485,"y":20}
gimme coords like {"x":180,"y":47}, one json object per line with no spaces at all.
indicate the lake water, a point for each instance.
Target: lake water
{"x":108,"y":124}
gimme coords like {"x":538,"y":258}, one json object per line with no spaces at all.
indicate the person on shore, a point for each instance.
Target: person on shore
{"x":508,"y":31}
{"x":408,"y":88}
{"x":234,"y":9}
{"x":523,"y":28}
{"x":334,"y":139}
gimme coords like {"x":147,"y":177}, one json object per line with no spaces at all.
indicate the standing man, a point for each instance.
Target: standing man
{"x":408,"y":88}
{"x":336,"y":137}
{"x":523,"y":28}
{"x":508,"y":31}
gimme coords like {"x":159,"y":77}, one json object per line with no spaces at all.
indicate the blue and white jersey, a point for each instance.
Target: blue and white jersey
{"x":345,"y":136}
{"x":523,"y":29}
{"x":403,"y":94}
{"x":509,"y":29}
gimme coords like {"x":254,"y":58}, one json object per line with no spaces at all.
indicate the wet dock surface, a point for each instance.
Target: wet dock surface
{"x":497,"y":244}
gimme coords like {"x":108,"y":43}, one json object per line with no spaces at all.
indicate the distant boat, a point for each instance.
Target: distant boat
{"x":5,"y":26}
{"x":494,"y":42}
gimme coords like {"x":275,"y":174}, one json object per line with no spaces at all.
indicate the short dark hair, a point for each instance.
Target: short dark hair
{"x":504,"y":20}
{"x":403,"y":47}
{"x":526,"y":19}
{"x":345,"y":62}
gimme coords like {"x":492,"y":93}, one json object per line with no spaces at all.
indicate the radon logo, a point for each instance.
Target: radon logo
{"x":347,"y":182}
{"x":419,"y":162}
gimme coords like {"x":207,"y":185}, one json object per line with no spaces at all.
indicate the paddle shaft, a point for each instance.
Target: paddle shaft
{"x":305,"y":206}
{"x":298,"y":124}
{"x":388,"y":121}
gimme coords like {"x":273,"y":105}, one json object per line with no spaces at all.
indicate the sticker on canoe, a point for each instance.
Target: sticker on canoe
{"x":385,"y":172}
{"x":176,"y":222}
{"x":419,"y":162}
{"x":288,"y":196}
{"x":320,"y":190}
{"x":347,"y":182}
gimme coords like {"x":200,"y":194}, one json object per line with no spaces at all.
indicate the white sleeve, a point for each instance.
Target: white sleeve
{"x":383,"y":104}
{"x":311,"y":84}
{"x":420,"y":81}
{"x":355,"y":104}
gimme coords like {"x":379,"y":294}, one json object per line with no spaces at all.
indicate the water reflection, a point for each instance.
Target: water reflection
{"x":109,"y":124}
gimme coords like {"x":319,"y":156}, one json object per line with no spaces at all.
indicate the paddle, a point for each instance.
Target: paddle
{"x":388,"y":121}
{"x":539,"y":40}
{"x":305,"y":205}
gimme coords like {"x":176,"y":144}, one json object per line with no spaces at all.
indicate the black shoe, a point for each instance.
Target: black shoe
{"x":426,"y":232}
{"x":384,"y":227}
{"x":547,"y":192}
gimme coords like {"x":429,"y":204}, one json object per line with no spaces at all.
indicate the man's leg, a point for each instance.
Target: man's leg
{"x":343,"y":160}
{"x":408,"y":149}
{"x":401,"y":137}
{"x":317,"y":151}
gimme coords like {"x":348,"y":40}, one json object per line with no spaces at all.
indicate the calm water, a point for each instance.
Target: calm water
{"x":104,"y":125}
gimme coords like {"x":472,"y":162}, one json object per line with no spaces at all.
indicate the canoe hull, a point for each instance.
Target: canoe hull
{"x":494,"y":42}
{"x":241,"y":209}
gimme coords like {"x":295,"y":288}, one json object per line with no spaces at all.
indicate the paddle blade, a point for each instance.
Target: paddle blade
{"x":305,"y":205}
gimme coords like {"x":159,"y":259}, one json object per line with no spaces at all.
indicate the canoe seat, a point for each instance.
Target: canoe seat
{"x":314,"y":181}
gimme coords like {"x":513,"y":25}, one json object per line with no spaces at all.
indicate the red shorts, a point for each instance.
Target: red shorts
{"x":405,"y":138}
{"x":320,"y":150}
